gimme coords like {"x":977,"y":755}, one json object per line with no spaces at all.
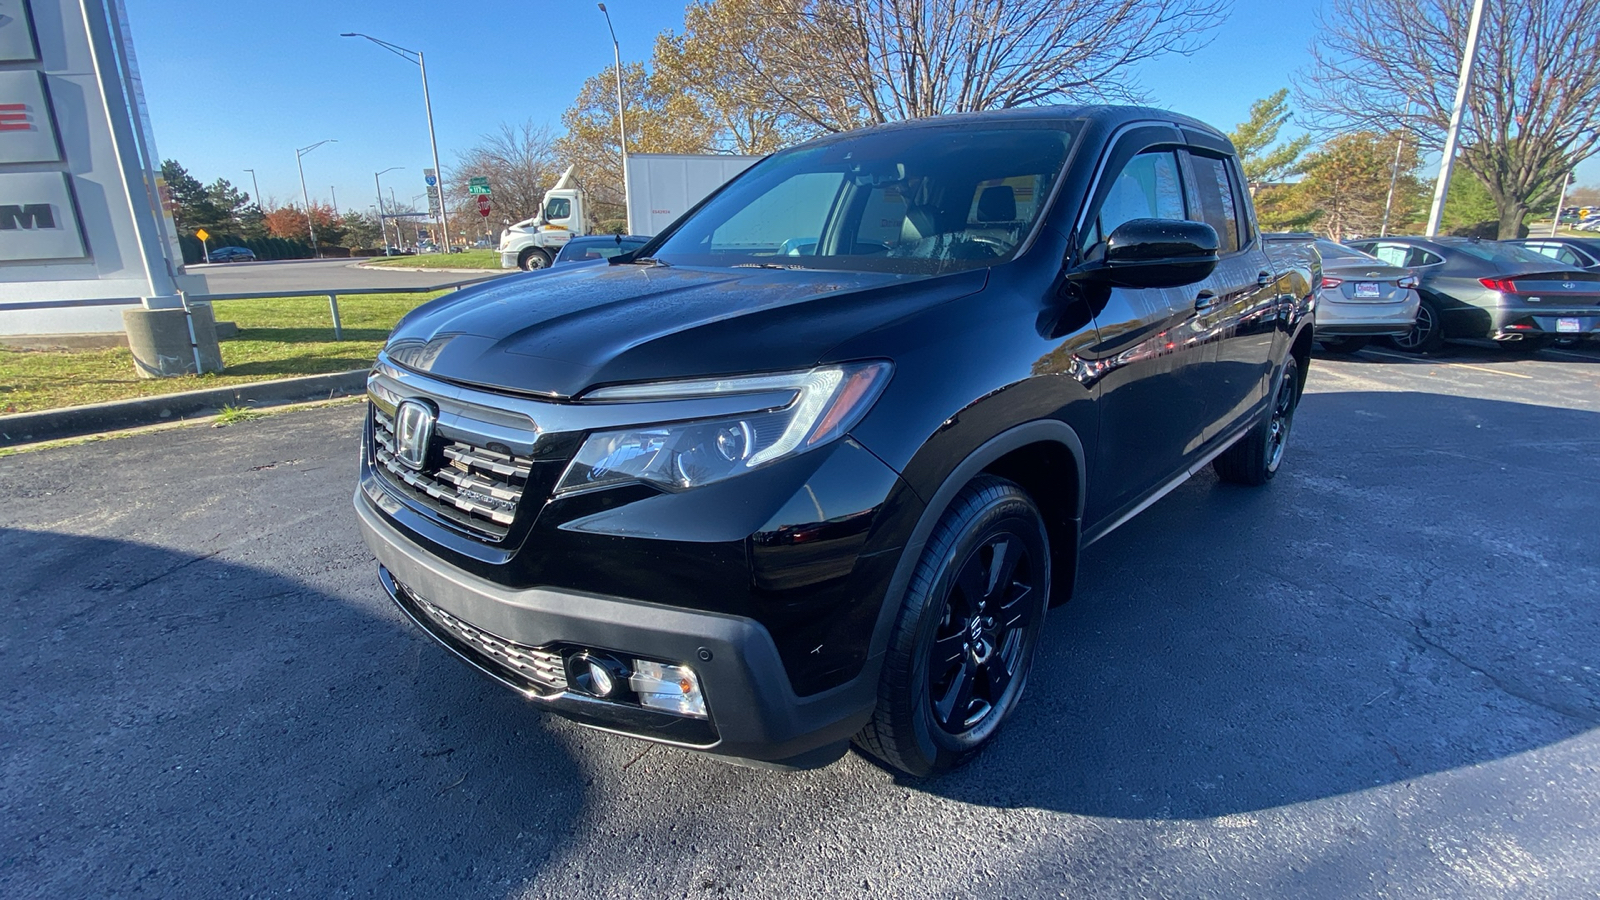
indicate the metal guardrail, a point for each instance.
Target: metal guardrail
{"x":333,"y":296}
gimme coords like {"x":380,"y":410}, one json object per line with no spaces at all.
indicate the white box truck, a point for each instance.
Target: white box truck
{"x":661,"y":187}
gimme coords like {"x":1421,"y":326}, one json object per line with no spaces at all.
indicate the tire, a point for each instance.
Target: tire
{"x":1254,"y":459}
{"x":1427,"y":335}
{"x":1343,"y":344}
{"x":954,"y":670}
{"x":533,"y":259}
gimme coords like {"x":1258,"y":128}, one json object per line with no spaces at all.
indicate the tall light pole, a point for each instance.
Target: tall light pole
{"x":427,"y":105}
{"x":335,"y":195}
{"x":379,"y":185}
{"x":257,"y":196}
{"x":311,"y":222}
{"x":1448,"y":157}
{"x":1556,"y":223}
{"x":622,"y":125}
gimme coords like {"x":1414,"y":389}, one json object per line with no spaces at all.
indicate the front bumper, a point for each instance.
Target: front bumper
{"x":753,"y":711}
{"x":508,"y":259}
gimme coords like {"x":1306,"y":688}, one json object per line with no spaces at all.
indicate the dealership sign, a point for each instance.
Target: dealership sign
{"x":38,"y":220}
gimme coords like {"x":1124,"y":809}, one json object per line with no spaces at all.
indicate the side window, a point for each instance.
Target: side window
{"x":1421,"y":257}
{"x":1393,"y":254}
{"x":1567,"y":256}
{"x":1211,"y":200}
{"x":1148,"y":187}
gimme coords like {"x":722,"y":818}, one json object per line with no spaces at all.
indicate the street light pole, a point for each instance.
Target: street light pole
{"x":257,"y":196}
{"x":1448,"y":157}
{"x":1556,"y":222}
{"x":311,"y":222}
{"x":622,"y":124}
{"x":379,"y":185}
{"x":427,"y":105}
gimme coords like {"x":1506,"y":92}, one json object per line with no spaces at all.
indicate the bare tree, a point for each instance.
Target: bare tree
{"x":837,"y":64}
{"x":1533,"y":107}
{"x":521,"y":164}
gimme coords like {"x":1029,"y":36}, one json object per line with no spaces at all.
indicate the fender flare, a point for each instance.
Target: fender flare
{"x":1034,"y":432}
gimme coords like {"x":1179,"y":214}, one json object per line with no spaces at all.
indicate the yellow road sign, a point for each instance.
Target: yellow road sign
{"x":203,"y":234}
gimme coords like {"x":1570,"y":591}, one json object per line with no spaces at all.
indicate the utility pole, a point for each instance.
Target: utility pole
{"x":379,"y":185}
{"x":427,"y":105}
{"x":311,"y":222}
{"x":1556,"y":222}
{"x":257,"y":195}
{"x":622,"y":124}
{"x":1448,"y":157}
{"x":335,"y":195}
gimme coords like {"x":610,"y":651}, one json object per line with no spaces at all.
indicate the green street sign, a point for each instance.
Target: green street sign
{"x":478,"y":184}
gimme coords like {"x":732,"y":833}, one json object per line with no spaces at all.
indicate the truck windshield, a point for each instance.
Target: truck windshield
{"x":914,"y":200}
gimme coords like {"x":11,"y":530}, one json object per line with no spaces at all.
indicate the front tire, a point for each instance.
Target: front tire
{"x":533,"y":259}
{"x":1254,"y":459}
{"x":964,"y":638}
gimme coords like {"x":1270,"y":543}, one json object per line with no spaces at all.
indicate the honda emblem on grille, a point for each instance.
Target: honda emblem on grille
{"x":413,"y":429}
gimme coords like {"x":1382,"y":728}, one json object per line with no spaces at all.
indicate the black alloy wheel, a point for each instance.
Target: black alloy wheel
{"x":1254,"y":459}
{"x":1427,"y":335}
{"x":963,"y":643}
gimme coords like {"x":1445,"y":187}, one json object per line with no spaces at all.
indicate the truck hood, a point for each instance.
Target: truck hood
{"x":558,"y":332}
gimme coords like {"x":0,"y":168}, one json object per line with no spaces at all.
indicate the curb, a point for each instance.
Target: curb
{"x":428,"y":269}
{"x":76,"y":421}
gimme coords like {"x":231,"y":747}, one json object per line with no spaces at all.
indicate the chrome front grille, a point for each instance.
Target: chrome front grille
{"x":472,"y":486}
{"x":538,"y":670}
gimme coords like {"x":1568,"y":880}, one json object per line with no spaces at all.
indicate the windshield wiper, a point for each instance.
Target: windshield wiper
{"x":768,"y":266}
{"x":649,"y":261}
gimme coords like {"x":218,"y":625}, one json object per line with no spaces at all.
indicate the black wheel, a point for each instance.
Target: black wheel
{"x":533,"y":258}
{"x":1343,"y":344}
{"x":1255,"y":458}
{"x":964,"y":639}
{"x":1427,"y":335}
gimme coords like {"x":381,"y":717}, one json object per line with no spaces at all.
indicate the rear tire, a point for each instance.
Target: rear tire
{"x":1254,"y":459}
{"x":1343,"y":344}
{"x":533,"y":259}
{"x":964,"y":637}
{"x":1427,"y":335}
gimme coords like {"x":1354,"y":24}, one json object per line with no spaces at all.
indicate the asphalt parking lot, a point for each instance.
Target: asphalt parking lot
{"x":1378,"y":677}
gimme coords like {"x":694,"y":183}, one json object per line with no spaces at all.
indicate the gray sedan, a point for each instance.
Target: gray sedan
{"x":1486,"y":289}
{"x":1362,"y":297}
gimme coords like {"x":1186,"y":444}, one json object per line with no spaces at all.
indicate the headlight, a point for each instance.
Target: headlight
{"x":823,"y":404}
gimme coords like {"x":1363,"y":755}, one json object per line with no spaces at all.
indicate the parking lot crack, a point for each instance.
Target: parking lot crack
{"x":1509,"y":687}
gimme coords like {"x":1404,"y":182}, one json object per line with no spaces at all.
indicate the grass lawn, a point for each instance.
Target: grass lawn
{"x":277,"y":339}
{"x":472,"y":259}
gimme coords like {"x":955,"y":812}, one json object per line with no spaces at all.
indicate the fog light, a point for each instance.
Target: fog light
{"x":673,"y":689}
{"x":597,"y":675}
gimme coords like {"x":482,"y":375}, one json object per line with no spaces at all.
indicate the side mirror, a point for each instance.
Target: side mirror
{"x":1156,"y":253}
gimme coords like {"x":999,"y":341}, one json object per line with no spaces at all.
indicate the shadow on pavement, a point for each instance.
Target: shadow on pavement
{"x":181,"y":726}
{"x":1413,"y":594}
{"x":1380,"y":353}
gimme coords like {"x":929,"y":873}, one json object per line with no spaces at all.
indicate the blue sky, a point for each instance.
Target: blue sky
{"x":232,"y":86}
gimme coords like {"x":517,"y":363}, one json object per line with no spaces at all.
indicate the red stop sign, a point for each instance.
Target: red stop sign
{"x":483,"y":205}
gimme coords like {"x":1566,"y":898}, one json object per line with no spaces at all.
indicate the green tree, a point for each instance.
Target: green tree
{"x":1468,"y":207}
{"x":1264,"y":160}
{"x":1346,"y":185}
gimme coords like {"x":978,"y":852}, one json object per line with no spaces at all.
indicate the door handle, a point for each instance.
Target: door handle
{"x":1264,"y":278}
{"x":1205,"y":301}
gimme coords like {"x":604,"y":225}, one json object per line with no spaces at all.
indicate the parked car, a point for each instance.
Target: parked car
{"x":600,"y":246}
{"x":1361,"y":297}
{"x":1588,"y":223}
{"x":232,"y":254}
{"x":758,"y":505}
{"x":1582,"y":253}
{"x":1491,"y":289}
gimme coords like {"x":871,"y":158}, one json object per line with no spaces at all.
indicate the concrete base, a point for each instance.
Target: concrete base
{"x":159,"y":339}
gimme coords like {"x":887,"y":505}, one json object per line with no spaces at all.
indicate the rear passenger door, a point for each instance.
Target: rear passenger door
{"x":1238,"y":306}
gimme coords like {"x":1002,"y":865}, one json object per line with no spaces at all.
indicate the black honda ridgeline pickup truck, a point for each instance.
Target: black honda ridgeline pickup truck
{"x":811,"y":465}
